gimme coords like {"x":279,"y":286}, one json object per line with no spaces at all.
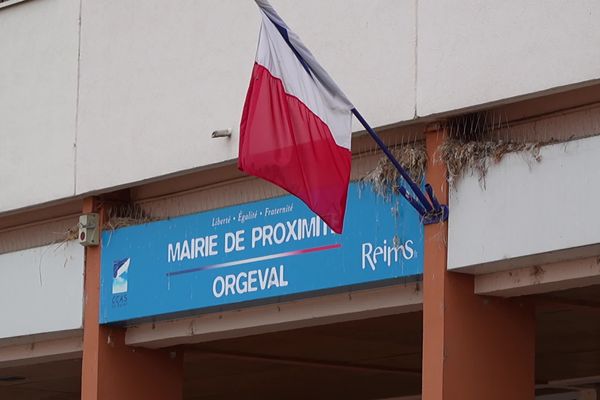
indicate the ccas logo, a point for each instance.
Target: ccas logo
{"x":120,"y":268}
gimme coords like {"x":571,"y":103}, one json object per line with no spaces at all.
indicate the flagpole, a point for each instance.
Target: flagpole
{"x":413,"y":202}
{"x":431,"y":213}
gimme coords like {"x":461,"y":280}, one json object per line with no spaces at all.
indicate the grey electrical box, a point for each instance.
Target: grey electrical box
{"x":89,"y":231}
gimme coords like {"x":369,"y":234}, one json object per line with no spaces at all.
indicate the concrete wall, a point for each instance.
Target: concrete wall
{"x":529,"y":213}
{"x":478,"y":51}
{"x":38,"y":96}
{"x":155,"y":78}
{"x":41,"y":290}
{"x":159,"y":79}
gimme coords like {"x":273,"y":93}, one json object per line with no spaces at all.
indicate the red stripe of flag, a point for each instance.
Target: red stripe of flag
{"x":284,"y":142}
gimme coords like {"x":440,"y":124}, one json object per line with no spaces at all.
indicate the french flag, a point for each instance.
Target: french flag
{"x":296,"y":125}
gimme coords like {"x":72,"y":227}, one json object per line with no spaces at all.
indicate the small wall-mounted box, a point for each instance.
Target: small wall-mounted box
{"x":89,"y":230}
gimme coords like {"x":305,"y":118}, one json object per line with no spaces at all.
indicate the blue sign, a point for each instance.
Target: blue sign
{"x":256,"y":251}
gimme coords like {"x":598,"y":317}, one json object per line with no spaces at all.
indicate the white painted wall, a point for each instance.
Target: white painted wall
{"x":472,"y":52}
{"x":38,"y":90}
{"x":528,"y":212}
{"x":157,"y":77}
{"x":41,"y":290}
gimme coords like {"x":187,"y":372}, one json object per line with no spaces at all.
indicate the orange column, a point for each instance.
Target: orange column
{"x":474,"y":347}
{"x":112,"y":370}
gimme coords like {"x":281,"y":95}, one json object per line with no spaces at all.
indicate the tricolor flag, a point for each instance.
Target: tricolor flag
{"x":296,"y":125}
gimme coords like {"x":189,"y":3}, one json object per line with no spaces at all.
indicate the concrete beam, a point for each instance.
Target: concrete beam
{"x":540,"y":279}
{"x":583,"y":394}
{"x":281,"y":316}
{"x":41,"y":351}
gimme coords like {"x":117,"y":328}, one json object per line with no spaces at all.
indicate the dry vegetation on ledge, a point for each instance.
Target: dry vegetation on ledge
{"x":385,"y":179}
{"x":477,"y":141}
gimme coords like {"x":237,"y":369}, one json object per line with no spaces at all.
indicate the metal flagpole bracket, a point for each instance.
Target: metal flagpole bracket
{"x":439,"y":212}
{"x":436,"y":216}
{"x":430,"y":210}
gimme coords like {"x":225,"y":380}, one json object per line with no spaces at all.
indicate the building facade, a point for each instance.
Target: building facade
{"x":210,"y":284}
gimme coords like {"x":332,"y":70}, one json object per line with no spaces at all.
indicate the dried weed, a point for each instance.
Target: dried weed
{"x":385,"y":179}
{"x":477,"y":155}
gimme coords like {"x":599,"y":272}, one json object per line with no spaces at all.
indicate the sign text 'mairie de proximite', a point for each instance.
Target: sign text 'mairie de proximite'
{"x":260,"y":250}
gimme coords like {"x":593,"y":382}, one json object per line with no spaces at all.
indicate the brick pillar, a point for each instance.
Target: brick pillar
{"x":474,"y":347}
{"x":112,"y":370}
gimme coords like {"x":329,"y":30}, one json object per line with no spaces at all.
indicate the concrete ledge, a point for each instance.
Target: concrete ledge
{"x":38,"y":351}
{"x":11,"y":3}
{"x":540,"y":279}
{"x":281,"y":316}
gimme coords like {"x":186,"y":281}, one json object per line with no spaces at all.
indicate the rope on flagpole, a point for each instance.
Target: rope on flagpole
{"x":431,"y":210}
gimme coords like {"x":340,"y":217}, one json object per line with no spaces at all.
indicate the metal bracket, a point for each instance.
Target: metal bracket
{"x":440,"y":211}
{"x":436,"y":216}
